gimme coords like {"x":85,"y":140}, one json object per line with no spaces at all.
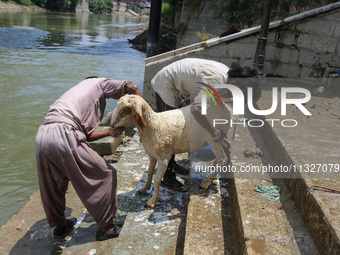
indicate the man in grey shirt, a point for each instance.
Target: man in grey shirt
{"x":176,"y":82}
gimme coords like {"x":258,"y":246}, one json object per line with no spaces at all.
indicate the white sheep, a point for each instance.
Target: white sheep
{"x":166,"y":133}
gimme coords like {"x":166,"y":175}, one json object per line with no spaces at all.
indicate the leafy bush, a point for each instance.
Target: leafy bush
{"x":57,"y":5}
{"x":24,"y":2}
{"x":167,"y":14}
{"x":169,"y":9}
{"x":238,"y":12}
{"x":40,"y":3}
{"x":101,"y":6}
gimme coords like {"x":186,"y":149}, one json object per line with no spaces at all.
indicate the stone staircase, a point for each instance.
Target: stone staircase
{"x":228,"y":218}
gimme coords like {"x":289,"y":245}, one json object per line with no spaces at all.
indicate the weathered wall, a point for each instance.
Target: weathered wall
{"x":200,"y":18}
{"x":304,"y":47}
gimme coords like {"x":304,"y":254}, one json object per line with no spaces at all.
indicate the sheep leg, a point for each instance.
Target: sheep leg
{"x":221,"y":159}
{"x":151,"y":169}
{"x":162,"y":166}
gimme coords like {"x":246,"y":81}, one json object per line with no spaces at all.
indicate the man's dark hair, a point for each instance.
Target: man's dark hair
{"x":250,"y":80}
{"x":242,"y":72}
{"x":91,"y":77}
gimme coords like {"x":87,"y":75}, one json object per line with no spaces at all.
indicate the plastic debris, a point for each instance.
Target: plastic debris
{"x":271,"y":193}
{"x":79,"y":220}
{"x":141,"y":185}
{"x":92,"y":251}
{"x":168,"y":36}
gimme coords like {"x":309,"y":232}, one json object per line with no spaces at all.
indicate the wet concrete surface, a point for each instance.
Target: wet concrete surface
{"x":268,"y":227}
{"x":28,"y":232}
{"x":315,"y":140}
{"x":144,"y":231}
{"x":204,"y":226}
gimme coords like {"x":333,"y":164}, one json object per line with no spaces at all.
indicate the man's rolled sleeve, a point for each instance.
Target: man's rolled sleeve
{"x":114,"y":88}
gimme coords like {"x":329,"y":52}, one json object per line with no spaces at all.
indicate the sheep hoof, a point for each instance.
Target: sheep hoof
{"x":141,"y":191}
{"x":149,"y":206}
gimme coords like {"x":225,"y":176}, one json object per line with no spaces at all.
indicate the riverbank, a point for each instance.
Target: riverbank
{"x":6,"y":6}
{"x":166,"y":42}
{"x":9,"y":6}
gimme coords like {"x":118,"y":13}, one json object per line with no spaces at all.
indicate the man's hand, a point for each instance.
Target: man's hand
{"x":132,"y":89}
{"x":96,"y":135}
{"x":116,"y":132}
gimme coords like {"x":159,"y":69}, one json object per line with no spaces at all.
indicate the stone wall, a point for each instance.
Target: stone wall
{"x":300,"y":46}
{"x":200,"y":19}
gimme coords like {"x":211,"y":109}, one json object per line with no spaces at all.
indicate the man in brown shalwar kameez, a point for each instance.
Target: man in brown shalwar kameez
{"x":63,"y":155}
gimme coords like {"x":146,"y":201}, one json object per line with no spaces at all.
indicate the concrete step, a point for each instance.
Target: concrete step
{"x":262,"y":226}
{"x":313,"y":141}
{"x":107,"y":145}
{"x":28,"y":232}
{"x":157,"y":231}
{"x":204,"y":225}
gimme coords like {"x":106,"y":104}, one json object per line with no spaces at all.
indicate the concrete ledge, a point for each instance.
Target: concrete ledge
{"x":317,"y":208}
{"x":262,"y":226}
{"x":107,"y":145}
{"x":204,"y":227}
{"x":163,"y":56}
{"x":28,"y":232}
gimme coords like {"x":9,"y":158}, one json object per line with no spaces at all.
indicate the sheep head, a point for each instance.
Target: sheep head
{"x":129,"y":110}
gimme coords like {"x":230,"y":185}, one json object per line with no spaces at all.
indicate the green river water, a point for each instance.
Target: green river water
{"x":41,"y":56}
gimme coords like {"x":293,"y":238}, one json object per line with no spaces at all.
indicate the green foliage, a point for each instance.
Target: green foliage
{"x":24,"y":2}
{"x":101,"y":6}
{"x":167,"y":14}
{"x":62,"y":5}
{"x":238,"y":12}
{"x":40,"y":3}
{"x":169,"y":8}
{"x":204,"y":35}
{"x":57,"y":5}
{"x":284,"y":8}
{"x":249,"y":12}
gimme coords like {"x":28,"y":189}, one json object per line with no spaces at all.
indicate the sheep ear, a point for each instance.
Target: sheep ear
{"x":125,"y":111}
{"x":138,"y":107}
{"x":141,"y":121}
